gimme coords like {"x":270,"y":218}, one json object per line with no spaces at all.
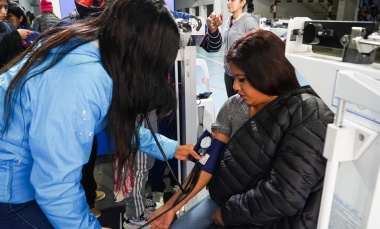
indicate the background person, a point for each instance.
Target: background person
{"x":84,"y":9}
{"x":11,"y":39}
{"x":46,"y":19}
{"x":30,"y":16}
{"x":4,"y":26}
{"x":17,"y":17}
{"x":271,"y":172}
{"x":76,"y":82}
{"x":237,"y":25}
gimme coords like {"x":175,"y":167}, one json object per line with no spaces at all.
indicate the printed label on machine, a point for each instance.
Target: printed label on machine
{"x":344,"y":216}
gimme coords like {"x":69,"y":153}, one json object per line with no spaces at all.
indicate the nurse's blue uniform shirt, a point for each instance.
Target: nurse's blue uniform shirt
{"x":50,"y":135}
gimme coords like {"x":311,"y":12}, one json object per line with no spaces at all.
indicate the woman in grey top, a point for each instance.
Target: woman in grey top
{"x":237,"y":25}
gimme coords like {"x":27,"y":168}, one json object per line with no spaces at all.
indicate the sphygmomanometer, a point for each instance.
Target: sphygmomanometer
{"x":209,"y":149}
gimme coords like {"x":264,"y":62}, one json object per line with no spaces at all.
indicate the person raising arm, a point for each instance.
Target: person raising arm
{"x":239,"y":23}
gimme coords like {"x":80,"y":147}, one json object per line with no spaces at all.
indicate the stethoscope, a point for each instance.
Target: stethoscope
{"x":193,"y":178}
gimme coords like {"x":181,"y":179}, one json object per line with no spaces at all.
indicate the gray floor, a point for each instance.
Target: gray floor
{"x":216,"y":71}
{"x":111,"y":210}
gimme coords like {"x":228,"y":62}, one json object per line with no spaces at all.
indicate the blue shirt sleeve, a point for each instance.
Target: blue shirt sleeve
{"x":148,"y":144}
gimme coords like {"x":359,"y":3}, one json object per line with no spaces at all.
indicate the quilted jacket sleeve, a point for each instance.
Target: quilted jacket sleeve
{"x":297,"y":169}
{"x":212,"y":42}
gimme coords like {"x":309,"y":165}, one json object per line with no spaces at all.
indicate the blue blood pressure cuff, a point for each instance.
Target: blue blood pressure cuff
{"x":209,"y":149}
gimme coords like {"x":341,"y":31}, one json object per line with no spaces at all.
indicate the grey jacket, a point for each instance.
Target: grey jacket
{"x":44,"y":21}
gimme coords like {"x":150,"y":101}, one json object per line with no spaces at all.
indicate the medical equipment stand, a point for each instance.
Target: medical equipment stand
{"x":352,"y":179}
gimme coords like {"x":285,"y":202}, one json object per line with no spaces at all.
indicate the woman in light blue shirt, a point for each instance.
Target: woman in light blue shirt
{"x":78,"y":80}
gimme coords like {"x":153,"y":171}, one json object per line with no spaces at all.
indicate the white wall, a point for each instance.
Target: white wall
{"x":182,"y":4}
{"x":26,"y":4}
{"x":346,"y":9}
{"x":262,"y":8}
{"x":285,"y":10}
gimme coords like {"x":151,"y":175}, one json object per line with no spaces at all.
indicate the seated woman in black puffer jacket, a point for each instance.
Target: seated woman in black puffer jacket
{"x":270,"y":173}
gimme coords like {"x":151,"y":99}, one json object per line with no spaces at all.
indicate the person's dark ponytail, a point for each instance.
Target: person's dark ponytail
{"x":250,"y":6}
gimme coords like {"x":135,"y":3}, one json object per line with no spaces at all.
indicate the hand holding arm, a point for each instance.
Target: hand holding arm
{"x":183,"y":152}
{"x":169,"y":146}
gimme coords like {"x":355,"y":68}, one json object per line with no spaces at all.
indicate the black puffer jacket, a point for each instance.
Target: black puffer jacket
{"x":271,"y":173}
{"x":10,"y":43}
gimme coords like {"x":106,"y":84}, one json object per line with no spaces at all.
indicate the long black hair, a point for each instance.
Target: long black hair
{"x":250,"y":6}
{"x":136,"y":51}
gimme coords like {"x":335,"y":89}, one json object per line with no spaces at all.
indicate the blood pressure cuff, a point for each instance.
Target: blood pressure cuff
{"x":209,"y":149}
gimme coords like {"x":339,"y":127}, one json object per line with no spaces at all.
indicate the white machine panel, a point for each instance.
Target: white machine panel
{"x":353,"y":175}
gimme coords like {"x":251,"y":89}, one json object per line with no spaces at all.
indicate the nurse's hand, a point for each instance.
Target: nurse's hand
{"x":183,"y":152}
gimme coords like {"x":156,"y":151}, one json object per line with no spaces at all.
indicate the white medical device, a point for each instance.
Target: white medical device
{"x":187,"y":112}
{"x":351,"y":193}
